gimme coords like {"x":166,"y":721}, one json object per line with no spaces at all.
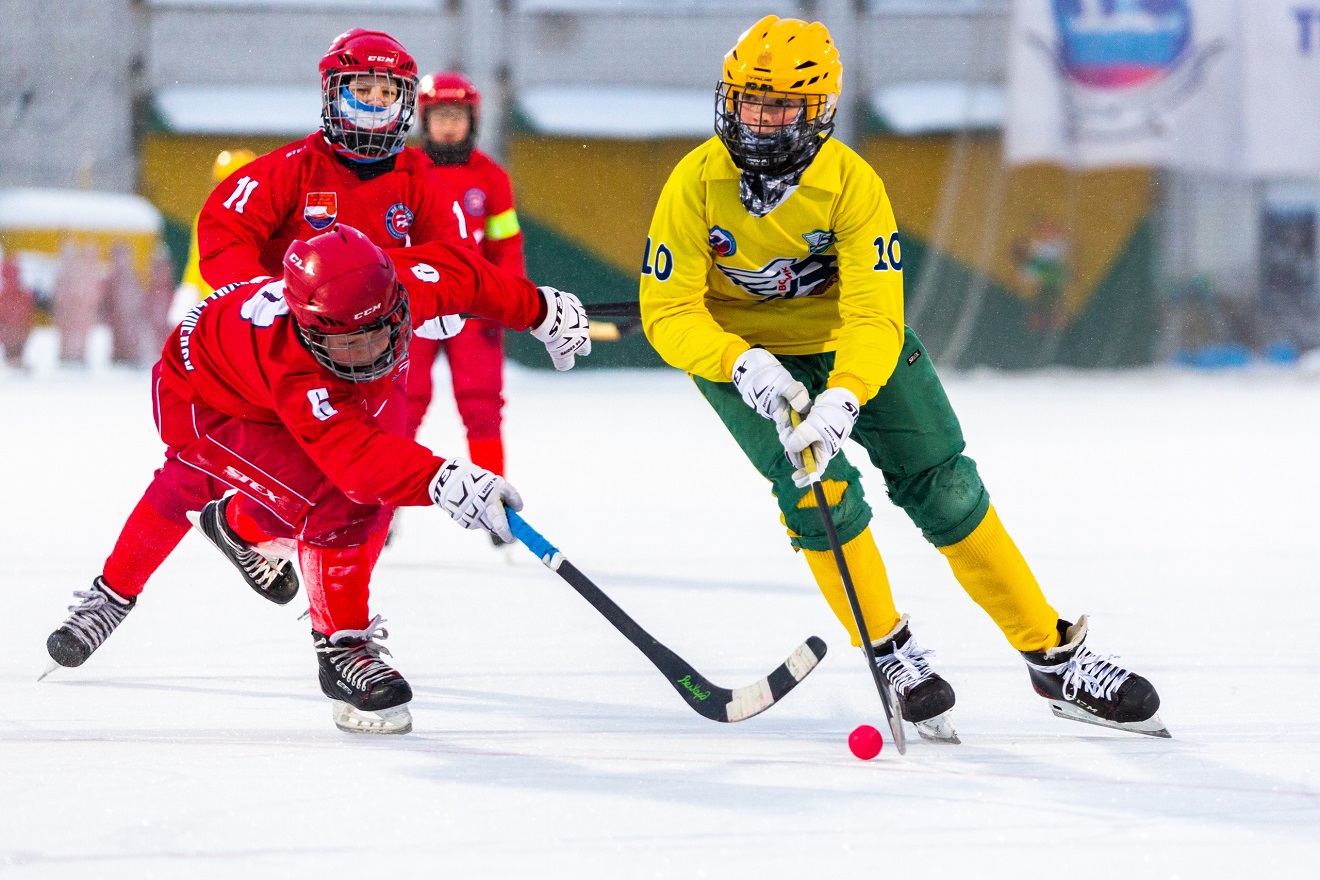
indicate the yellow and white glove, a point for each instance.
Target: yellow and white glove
{"x":829,"y":422}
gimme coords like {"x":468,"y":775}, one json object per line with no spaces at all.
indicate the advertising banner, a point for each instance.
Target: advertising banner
{"x":1102,"y":83}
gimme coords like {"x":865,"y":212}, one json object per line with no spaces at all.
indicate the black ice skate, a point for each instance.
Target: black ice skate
{"x":90,"y":624}
{"x":271,"y":577}
{"x":1093,"y":688}
{"x":923,"y":697}
{"x":369,"y":695}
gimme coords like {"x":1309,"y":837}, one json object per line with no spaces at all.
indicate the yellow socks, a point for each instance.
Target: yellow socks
{"x":869,"y":579}
{"x":991,"y":569}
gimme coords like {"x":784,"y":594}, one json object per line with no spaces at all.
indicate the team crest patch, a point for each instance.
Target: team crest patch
{"x":786,"y":278}
{"x":722,"y":243}
{"x":320,"y":210}
{"x":819,"y":240}
{"x":474,"y":202}
{"x":398,"y":220}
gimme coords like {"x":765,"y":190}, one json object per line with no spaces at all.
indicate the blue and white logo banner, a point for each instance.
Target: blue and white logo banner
{"x":1096,"y":83}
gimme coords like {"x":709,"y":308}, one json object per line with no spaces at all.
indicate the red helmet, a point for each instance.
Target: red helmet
{"x":449,"y":88}
{"x":368,"y":87}
{"x":345,"y":299}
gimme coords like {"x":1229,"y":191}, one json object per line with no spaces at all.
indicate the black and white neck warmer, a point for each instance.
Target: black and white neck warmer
{"x":761,"y":193}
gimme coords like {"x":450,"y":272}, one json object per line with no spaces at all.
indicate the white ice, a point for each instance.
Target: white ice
{"x":1179,"y":510}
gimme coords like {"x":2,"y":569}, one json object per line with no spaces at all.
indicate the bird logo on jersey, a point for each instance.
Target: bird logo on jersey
{"x":320,"y":210}
{"x":398,"y":220}
{"x":819,"y":240}
{"x":722,"y":243}
{"x":786,"y":277}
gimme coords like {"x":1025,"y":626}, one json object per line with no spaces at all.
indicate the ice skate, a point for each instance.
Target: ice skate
{"x":924,"y":698}
{"x":1093,"y":688}
{"x":93,"y":619}
{"x":369,"y":696}
{"x":269,"y":576}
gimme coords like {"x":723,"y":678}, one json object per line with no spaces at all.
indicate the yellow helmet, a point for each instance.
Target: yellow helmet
{"x":775,"y":105}
{"x":230,"y":161}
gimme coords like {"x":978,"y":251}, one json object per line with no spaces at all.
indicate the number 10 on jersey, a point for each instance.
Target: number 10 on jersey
{"x":659,"y":263}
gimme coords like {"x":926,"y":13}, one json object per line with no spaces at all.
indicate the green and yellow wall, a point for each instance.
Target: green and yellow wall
{"x":585,"y":206}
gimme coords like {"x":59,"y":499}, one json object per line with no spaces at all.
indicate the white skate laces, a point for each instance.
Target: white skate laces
{"x":359,"y":663}
{"x":906,"y":666}
{"x":96,"y":616}
{"x":256,"y":565}
{"x":1097,"y":674}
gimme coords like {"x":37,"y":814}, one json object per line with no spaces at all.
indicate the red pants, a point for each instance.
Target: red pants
{"x":476,"y":363}
{"x":282,"y":494}
{"x":209,"y":452}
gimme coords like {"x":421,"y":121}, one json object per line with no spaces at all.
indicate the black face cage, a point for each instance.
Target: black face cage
{"x":367,"y":133}
{"x":451,"y":154}
{"x":788,"y":149}
{"x":325,"y":346}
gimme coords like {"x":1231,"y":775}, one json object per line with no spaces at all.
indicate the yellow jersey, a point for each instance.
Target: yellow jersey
{"x":821,"y":272}
{"x":192,"y":272}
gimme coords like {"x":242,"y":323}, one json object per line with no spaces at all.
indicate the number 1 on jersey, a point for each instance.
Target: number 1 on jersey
{"x":462,"y":220}
{"x":241,"y":192}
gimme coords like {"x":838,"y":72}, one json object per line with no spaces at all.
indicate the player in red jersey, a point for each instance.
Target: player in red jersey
{"x":291,"y":391}
{"x":355,"y":170}
{"x":480,"y":197}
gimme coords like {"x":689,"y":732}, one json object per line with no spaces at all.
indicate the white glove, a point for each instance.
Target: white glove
{"x":564,"y":330}
{"x":833,"y":414}
{"x":443,"y":327}
{"x":767,"y":387}
{"x":475,"y":497}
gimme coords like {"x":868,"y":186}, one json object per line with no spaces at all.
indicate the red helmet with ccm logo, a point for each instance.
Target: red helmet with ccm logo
{"x":346,"y":301}
{"x":364,"y":123}
{"x":448,"y":88}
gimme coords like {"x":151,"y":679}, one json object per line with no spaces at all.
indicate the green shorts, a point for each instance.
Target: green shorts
{"x":908,"y":429}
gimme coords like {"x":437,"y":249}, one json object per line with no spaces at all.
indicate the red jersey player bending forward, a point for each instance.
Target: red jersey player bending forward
{"x":292,"y":392}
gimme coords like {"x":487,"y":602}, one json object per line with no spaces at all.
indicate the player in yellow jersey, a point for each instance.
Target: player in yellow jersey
{"x":774,"y":276}
{"x":192,"y":287}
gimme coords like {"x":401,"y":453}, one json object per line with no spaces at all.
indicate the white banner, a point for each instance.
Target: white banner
{"x":1281,"y":87}
{"x":1096,"y":83}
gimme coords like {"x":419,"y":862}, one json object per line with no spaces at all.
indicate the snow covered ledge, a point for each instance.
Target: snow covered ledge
{"x":620,"y":112}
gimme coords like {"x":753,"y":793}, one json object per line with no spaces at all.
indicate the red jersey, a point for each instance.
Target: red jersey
{"x":480,"y":198}
{"x":302,"y":190}
{"x":238,"y":353}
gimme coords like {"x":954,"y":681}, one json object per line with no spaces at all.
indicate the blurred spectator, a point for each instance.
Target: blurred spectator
{"x":76,"y":299}
{"x":1288,"y":280}
{"x":1204,"y":327}
{"x":1043,"y":268}
{"x":89,"y":291}
{"x":17,"y":308}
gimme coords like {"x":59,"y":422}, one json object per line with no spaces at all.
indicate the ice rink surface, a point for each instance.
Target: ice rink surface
{"x":1179,"y":510}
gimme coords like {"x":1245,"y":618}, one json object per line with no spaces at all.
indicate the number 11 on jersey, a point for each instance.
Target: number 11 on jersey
{"x":242,"y":192}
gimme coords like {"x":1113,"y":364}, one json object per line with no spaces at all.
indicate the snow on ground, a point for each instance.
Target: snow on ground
{"x":1178,"y":510}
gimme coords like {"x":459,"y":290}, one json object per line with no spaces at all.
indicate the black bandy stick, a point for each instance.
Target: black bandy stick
{"x":704,"y":696}
{"x":887,"y":697}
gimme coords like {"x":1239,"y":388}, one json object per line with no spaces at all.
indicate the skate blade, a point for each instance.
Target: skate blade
{"x":1152,"y":726}
{"x":396,"y":719}
{"x":938,"y":730}
{"x":51,"y":667}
